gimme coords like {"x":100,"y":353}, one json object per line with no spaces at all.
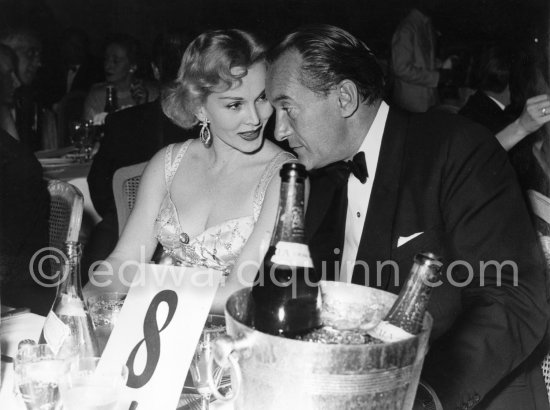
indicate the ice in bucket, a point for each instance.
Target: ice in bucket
{"x":284,"y":373}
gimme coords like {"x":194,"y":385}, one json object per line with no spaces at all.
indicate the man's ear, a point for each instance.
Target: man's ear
{"x":348,"y":98}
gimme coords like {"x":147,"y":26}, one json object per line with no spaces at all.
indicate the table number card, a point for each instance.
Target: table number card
{"x":157,"y":332}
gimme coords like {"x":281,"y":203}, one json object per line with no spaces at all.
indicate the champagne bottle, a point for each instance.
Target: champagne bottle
{"x":111,"y":103}
{"x":286,"y":294}
{"x":406,"y":316}
{"x":68,"y":328}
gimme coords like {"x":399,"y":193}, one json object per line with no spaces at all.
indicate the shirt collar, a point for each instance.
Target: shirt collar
{"x":497,"y":102}
{"x":373,"y":140}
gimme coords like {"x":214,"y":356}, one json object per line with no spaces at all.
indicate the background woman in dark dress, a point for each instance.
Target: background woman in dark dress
{"x":24,"y":206}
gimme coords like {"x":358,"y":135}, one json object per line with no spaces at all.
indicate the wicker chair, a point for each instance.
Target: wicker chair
{"x":540,"y":205}
{"x":66,"y":209}
{"x":125,"y":186}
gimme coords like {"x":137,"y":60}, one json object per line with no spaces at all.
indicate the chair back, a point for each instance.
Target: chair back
{"x":66,"y":209}
{"x":540,"y":205}
{"x":125,"y":186}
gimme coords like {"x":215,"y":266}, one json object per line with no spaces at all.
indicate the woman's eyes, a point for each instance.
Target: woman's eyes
{"x":238,"y":104}
{"x":234,"y":106}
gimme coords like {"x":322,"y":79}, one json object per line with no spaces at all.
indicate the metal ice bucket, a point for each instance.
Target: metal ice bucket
{"x":279,"y":373}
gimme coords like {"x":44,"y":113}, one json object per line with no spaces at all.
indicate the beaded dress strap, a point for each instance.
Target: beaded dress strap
{"x":270,"y":170}
{"x":170,"y":167}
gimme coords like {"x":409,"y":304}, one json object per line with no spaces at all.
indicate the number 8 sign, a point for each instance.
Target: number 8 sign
{"x":157,"y":332}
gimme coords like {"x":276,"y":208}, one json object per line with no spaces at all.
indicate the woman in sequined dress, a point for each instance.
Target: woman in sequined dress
{"x":211,"y":202}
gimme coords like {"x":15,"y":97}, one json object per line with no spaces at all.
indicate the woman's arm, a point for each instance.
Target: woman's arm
{"x":136,"y":243}
{"x":530,"y":120}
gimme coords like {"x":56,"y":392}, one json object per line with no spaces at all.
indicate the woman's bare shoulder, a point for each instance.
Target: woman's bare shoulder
{"x":272,"y":150}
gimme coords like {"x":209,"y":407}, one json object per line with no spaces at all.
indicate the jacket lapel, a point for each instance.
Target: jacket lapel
{"x":326,"y":221}
{"x":320,"y":198}
{"x":376,"y":239}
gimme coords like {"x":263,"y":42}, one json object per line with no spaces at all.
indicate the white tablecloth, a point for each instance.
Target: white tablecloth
{"x":29,"y":326}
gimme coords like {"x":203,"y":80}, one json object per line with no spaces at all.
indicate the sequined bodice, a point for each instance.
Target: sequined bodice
{"x":219,"y":246}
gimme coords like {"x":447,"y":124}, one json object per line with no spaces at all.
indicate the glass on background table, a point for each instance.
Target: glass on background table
{"x":83,"y":135}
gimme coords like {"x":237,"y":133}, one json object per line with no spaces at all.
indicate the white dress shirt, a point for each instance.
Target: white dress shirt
{"x":359,"y":194}
{"x":497,"y":102}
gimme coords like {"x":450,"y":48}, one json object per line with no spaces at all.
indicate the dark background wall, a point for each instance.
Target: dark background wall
{"x":460,"y":21}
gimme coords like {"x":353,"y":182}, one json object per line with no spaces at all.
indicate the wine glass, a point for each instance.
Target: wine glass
{"x":88,"y":140}
{"x":77,"y":134}
{"x":213,"y":328}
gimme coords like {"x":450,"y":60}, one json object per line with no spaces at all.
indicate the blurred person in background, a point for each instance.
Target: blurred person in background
{"x":120,"y":67}
{"x":489,"y":105}
{"x":415,"y":71}
{"x":24,"y":207}
{"x":9,"y":82}
{"x":132,"y":136}
{"x":27,"y":46}
{"x":77,"y":69}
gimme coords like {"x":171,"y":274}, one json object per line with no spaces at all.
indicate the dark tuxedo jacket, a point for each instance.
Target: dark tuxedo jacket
{"x":24,"y":211}
{"x":132,"y":136}
{"x":481,"y":109}
{"x":447,"y":178}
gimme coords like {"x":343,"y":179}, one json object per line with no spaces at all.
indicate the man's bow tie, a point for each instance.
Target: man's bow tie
{"x":358,"y":167}
{"x":340,"y":170}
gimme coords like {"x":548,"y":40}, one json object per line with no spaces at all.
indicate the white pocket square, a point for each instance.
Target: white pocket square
{"x":402,"y":240}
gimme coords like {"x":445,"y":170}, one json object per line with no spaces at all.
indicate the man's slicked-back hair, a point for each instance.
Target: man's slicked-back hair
{"x":331,"y":55}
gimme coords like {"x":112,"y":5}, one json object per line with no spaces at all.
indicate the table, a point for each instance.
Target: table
{"x":28,"y":326}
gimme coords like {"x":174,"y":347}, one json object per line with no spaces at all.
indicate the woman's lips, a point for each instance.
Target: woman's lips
{"x":250,"y":135}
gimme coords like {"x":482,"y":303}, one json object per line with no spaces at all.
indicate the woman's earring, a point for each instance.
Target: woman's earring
{"x":205,"y":135}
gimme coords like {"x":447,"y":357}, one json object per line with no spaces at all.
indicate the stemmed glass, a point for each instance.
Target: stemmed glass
{"x":82,"y":135}
{"x":214,"y":327}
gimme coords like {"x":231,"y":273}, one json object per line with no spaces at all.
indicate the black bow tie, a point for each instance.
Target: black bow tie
{"x":358,"y":167}
{"x":340,"y":170}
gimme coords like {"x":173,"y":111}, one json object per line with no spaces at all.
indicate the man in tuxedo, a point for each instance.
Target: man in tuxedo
{"x":419,"y":182}
{"x":132,"y":136}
